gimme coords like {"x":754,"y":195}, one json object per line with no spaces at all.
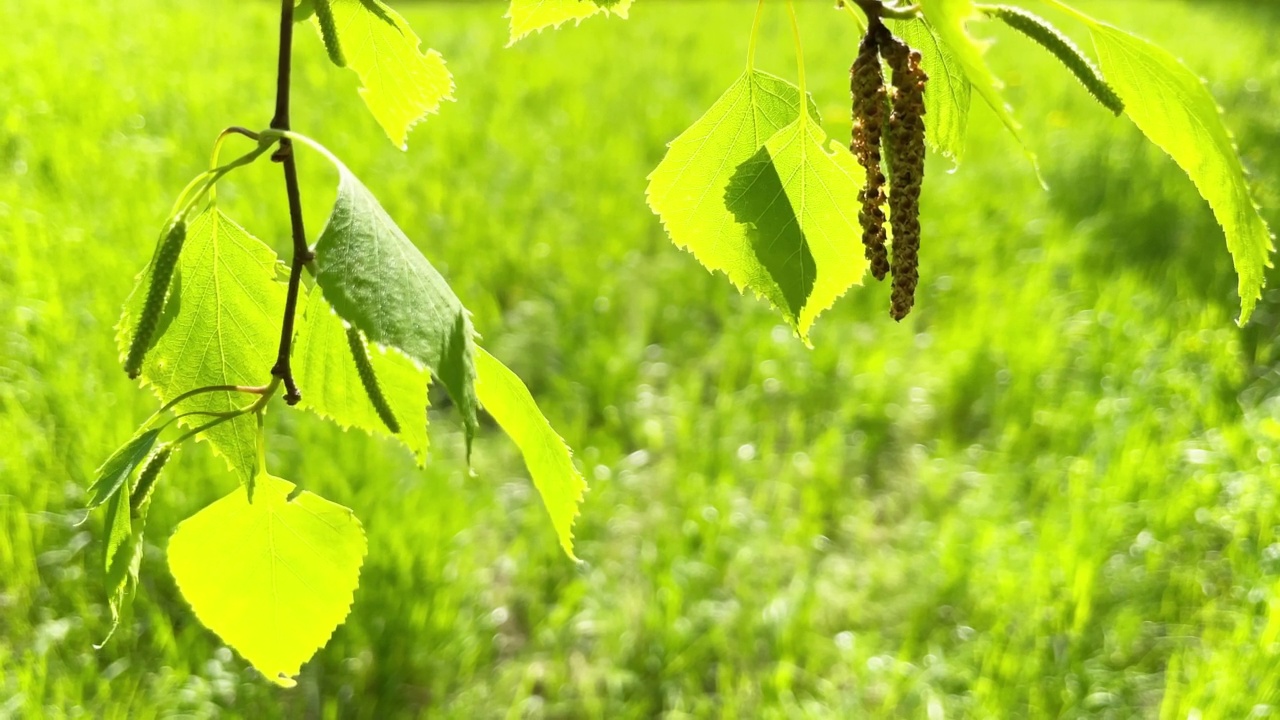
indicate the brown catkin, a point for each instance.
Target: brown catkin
{"x":870,"y":107}
{"x":906,"y":152}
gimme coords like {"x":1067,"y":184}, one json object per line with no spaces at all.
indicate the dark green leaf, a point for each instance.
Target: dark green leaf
{"x":378,"y":280}
{"x":758,"y":200}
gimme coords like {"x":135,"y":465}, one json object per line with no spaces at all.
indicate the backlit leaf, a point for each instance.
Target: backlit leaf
{"x":799,"y":202}
{"x":948,"y":19}
{"x":1173,"y":108}
{"x":526,"y":16}
{"x":117,"y":468}
{"x":687,"y":189}
{"x":402,"y":85}
{"x":757,"y":198}
{"x":378,"y":281}
{"x":122,"y":553}
{"x":273,"y":578}
{"x":323,"y":365}
{"x":220,"y":326}
{"x":947,"y":96}
{"x":546,"y":455}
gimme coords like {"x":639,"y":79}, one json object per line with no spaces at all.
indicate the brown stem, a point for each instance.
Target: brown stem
{"x":284,"y":155}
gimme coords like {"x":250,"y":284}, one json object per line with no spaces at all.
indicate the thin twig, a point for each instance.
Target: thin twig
{"x":285,"y":156}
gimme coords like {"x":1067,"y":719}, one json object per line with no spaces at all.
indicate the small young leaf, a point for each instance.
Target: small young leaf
{"x":401,"y":84}
{"x":122,"y":554}
{"x":117,"y":468}
{"x":1173,"y":108}
{"x":947,"y":96}
{"x":948,"y":19}
{"x":1061,"y":47}
{"x":687,"y":189}
{"x":377,"y":280}
{"x":527,"y":16}
{"x":322,"y":363}
{"x":548,"y":458}
{"x":221,"y":327}
{"x":273,"y":578}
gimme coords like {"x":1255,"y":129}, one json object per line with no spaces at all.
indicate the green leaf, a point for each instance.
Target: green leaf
{"x":687,"y":189}
{"x":548,"y":458}
{"x":812,"y":209}
{"x":947,"y":95}
{"x":117,"y":468}
{"x":378,"y":281}
{"x":273,"y":578}
{"x":122,"y":554}
{"x":323,"y":365}
{"x":1172,"y":107}
{"x":220,"y":326}
{"x":401,"y":84}
{"x":758,"y":199}
{"x":948,"y":19}
{"x":526,"y":16}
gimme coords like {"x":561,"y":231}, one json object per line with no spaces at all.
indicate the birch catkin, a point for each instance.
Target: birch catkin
{"x":1040,"y":30}
{"x":906,"y":170}
{"x":870,"y":106}
{"x":147,"y":478}
{"x":161,"y":273}
{"x":329,"y":33}
{"x":360,"y":353}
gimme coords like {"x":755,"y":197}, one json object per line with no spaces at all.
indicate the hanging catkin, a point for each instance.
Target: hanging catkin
{"x":147,"y":478}
{"x":906,"y":170}
{"x":166,"y":259}
{"x":870,"y":107}
{"x":368,"y":378}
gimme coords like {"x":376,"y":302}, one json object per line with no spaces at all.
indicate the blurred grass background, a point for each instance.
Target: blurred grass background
{"x":1051,"y":492}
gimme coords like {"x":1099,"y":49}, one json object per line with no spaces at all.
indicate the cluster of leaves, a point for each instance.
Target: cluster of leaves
{"x":270,"y":568}
{"x":754,"y":189}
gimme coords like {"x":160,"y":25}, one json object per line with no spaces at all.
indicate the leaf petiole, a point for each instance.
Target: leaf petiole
{"x":204,"y":183}
{"x":859,"y":19}
{"x":795,"y":33}
{"x":221,"y":417}
{"x":755,"y":34}
{"x":263,"y":390}
{"x":217,"y":150}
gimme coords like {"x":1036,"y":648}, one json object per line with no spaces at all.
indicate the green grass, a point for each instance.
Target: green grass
{"x":1050,"y":492}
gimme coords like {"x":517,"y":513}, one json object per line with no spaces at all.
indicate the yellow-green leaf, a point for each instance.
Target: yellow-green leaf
{"x":527,"y":16}
{"x":326,"y":372}
{"x":402,"y":85}
{"x":273,"y":578}
{"x":947,"y":96}
{"x":220,"y":326}
{"x":820,"y":187}
{"x":687,"y":189}
{"x":948,"y":18}
{"x":1173,"y":108}
{"x":548,"y":458}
